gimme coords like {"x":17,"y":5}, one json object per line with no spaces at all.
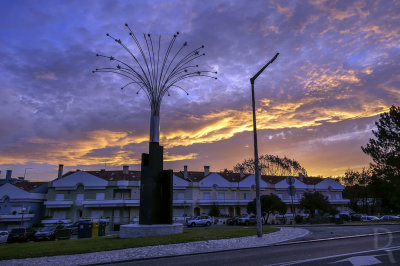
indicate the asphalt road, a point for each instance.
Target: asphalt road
{"x":310,"y":253}
{"x":341,"y":247}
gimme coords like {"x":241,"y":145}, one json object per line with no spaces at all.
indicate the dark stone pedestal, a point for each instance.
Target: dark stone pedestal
{"x":155,"y":188}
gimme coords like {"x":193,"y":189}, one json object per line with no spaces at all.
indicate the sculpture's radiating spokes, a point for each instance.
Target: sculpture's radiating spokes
{"x":156,"y":74}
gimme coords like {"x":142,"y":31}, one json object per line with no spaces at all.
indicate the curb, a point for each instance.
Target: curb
{"x":314,"y":225}
{"x":270,"y":245}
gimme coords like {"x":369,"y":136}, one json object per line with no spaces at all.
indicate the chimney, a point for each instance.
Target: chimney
{"x":301,"y":177}
{"x":206,"y":170}
{"x":241,"y":172}
{"x":125,"y":169}
{"x":185,"y":172}
{"x":60,"y":171}
{"x":8,"y":176}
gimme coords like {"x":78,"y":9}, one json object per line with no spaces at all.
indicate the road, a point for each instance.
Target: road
{"x":341,"y":246}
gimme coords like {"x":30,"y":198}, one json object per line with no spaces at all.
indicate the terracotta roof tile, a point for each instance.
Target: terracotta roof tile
{"x":312,"y":180}
{"x":116,"y":175}
{"x":181,"y":175}
{"x":232,"y":177}
{"x":112,"y":175}
{"x":272,"y":179}
{"x":29,"y":186}
{"x":192,"y":176}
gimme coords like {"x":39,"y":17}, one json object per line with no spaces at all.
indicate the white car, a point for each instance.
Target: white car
{"x":3,"y":236}
{"x":203,"y":220}
{"x":369,"y":218}
{"x":389,"y":217}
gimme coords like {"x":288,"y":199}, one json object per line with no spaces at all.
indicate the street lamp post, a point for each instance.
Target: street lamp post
{"x":257,"y":169}
{"x":22,"y":219}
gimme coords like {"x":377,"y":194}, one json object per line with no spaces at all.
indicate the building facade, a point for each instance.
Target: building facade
{"x":21,"y":204}
{"x":114,"y":196}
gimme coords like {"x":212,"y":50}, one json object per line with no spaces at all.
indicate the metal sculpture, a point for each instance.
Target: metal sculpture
{"x":154,"y":76}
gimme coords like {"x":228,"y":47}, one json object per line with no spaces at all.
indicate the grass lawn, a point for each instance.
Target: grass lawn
{"x":85,"y":245}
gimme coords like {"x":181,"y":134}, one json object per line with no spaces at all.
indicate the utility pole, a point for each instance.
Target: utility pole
{"x":256,"y":167}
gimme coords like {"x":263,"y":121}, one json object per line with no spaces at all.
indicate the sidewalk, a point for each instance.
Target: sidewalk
{"x":285,"y":234}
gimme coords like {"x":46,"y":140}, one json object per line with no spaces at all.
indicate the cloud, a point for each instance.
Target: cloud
{"x":50,"y":75}
{"x":338,"y":69}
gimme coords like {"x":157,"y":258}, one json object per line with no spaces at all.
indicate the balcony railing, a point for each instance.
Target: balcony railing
{"x":16,"y":217}
{"x":111,"y":203}
{"x":182,"y":202}
{"x":58,"y":203}
{"x":56,"y":221}
{"x":223,"y":202}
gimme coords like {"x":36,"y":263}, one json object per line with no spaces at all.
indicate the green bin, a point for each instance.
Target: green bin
{"x":102,"y":228}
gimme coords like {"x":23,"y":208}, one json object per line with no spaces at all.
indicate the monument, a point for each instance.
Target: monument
{"x":155,"y":76}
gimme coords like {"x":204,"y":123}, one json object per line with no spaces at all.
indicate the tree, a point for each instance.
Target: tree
{"x":272,"y":165}
{"x":358,"y":189}
{"x":352,"y":177}
{"x":214,"y":211}
{"x":384,"y":150}
{"x":316,"y":201}
{"x":269,"y":204}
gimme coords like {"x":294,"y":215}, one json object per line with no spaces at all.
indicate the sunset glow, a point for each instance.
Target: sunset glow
{"x":338,"y":69}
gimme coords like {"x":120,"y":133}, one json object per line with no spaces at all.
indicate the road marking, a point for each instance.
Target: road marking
{"x":361,"y":260}
{"x":335,"y":238}
{"x":335,"y":256}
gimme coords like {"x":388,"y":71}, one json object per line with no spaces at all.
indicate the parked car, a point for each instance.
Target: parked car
{"x":20,"y":235}
{"x":3,"y":236}
{"x":369,"y":218}
{"x":356,"y":216}
{"x":389,"y":217}
{"x":203,"y":220}
{"x":247,"y":219}
{"x":73,"y":227}
{"x":47,"y":233}
{"x":344,"y":216}
{"x":232,"y":220}
{"x":64,"y":233}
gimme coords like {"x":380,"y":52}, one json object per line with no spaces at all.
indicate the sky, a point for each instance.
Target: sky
{"x":338,"y":69}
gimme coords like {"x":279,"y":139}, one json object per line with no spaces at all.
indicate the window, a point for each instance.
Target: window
{"x":206,"y":196}
{"x":99,"y":196}
{"x":122,"y":194}
{"x":178,"y":212}
{"x":221,"y":196}
{"x":79,"y":197}
{"x":127,"y":195}
{"x":59,"y":196}
{"x":246,"y":196}
{"x":338,"y":196}
{"x":181,"y":196}
{"x":96,"y":214}
{"x":58,"y":214}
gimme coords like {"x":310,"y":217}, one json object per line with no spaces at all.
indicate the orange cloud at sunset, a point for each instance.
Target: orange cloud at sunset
{"x":337,"y":70}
